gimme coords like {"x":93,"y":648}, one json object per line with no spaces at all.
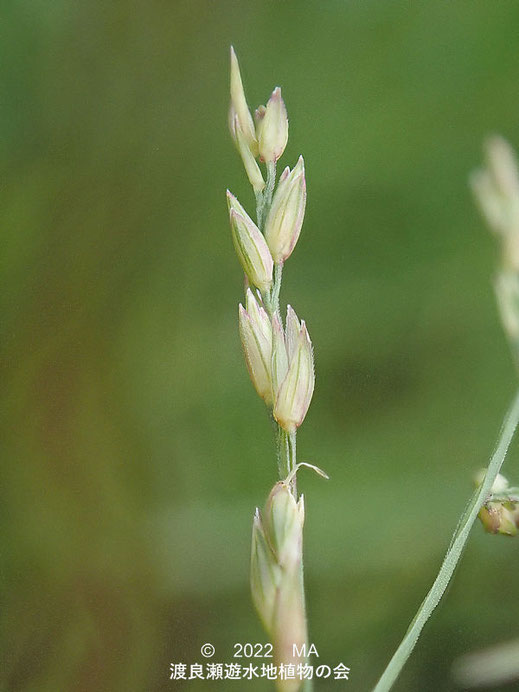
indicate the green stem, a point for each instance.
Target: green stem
{"x":293,"y":462}
{"x":260,"y":204}
{"x":271,"y":183}
{"x":454,"y":553}
{"x":264,"y":199}
{"x":280,"y":446}
{"x":276,"y":288}
{"x":286,"y":453}
{"x":263,"y":203}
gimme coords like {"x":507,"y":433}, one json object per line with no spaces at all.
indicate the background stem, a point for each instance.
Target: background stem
{"x":454,"y":552}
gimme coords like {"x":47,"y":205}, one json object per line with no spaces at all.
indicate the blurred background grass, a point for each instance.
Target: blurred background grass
{"x":134,"y":448}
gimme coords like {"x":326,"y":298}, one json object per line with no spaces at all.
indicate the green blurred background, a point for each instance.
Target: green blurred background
{"x":134,"y":449}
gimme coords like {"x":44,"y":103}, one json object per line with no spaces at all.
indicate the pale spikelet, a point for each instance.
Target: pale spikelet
{"x":256,"y":338}
{"x":265,"y":574}
{"x":293,"y":327}
{"x":499,"y":485}
{"x":279,"y":367}
{"x":250,"y":246}
{"x":502,"y":166}
{"x":496,"y":190}
{"x":259,"y":115}
{"x":249,"y":162}
{"x":242,"y":127}
{"x":500,"y":517}
{"x":500,"y":513}
{"x":294,"y":394}
{"x":276,"y":563}
{"x":273,"y":134}
{"x":286,"y":215}
{"x":507,"y":292}
{"x":239,"y":113}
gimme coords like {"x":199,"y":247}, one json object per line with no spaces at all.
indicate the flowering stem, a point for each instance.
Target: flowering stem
{"x":279,"y":358}
{"x":285,"y":442}
{"x":454,"y":552}
{"x":271,"y":301}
